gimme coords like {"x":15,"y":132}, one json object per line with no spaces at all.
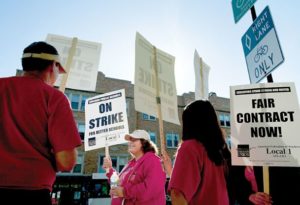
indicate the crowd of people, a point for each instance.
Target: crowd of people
{"x":34,"y":146}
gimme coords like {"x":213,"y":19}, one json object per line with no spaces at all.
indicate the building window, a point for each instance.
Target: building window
{"x":227,"y":121}
{"x":228,"y":141}
{"x":122,"y":162}
{"x":81,"y":129}
{"x":67,"y":95}
{"x":148,"y":117}
{"x":152,"y":136}
{"x":75,"y":101}
{"x":172,"y":140}
{"x":118,"y":163}
{"x":224,"y":120}
{"x":82,"y":105}
{"x":78,"y":168}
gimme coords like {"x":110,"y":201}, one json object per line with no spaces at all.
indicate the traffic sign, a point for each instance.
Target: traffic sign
{"x":240,"y":7}
{"x":261,"y":47}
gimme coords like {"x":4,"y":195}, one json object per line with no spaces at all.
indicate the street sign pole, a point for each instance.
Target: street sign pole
{"x":266,"y":181}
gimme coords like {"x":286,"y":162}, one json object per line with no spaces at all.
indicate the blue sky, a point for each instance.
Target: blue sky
{"x":177,"y":27}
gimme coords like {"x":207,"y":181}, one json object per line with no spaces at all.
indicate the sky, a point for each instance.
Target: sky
{"x":177,"y":27}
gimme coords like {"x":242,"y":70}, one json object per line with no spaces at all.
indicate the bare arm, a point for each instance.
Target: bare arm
{"x":66,"y":159}
{"x":177,"y":198}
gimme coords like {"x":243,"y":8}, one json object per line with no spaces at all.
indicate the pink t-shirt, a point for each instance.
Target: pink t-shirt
{"x":36,"y":122}
{"x":197,"y":177}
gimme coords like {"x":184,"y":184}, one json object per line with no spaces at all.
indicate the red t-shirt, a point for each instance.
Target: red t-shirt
{"x":197,"y":177}
{"x":35,"y":122}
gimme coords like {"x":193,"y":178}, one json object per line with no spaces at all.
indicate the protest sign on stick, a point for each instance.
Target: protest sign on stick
{"x":154,"y":88}
{"x":82,"y":58}
{"x":106,"y":120}
{"x":201,"y":77}
{"x":72,"y":50}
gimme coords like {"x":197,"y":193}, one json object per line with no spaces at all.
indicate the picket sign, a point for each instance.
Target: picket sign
{"x":158,"y":102}
{"x":107,"y":156}
{"x":72,"y":50}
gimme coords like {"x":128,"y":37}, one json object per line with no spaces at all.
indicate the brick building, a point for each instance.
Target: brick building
{"x":87,"y":179}
{"x":90,"y":162}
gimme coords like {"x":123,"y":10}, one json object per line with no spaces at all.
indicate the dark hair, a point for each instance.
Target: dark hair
{"x":30,"y":64}
{"x":200,"y":122}
{"x":148,"y":146}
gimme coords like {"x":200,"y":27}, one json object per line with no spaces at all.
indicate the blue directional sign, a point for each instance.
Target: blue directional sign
{"x":240,"y":7}
{"x":261,"y":47}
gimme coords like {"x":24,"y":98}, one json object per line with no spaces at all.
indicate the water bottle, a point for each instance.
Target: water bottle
{"x":114,"y":181}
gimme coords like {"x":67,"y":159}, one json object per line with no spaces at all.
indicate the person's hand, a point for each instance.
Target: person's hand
{"x":260,"y":198}
{"x":117,"y":191}
{"x":167,"y":163}
{"x":107,"y":164}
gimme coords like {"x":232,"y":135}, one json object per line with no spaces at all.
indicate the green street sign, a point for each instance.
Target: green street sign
{"x":240,"y":7}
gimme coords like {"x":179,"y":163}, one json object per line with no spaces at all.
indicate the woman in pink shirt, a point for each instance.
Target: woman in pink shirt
{"x":198,"y":176}
{"x":142,"y":180}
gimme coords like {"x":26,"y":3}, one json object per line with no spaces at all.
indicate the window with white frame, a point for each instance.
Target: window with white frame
{"x":67,"y":95}
{"x":122,"y":161}
{"x":77,"y":101}
{"x":78,"y":168}
{"x":152,"y":136}
{"x":148,"y":117}
{"x":228,"y":141}
{"x":172,"y":140}
{"x":82,"y":104}
{"x":118,"y":163}
{"x":227,"y":120}
{"x":224,"y":120}
{"x":81,"y":129}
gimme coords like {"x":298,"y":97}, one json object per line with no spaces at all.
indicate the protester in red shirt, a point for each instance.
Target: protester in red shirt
{"x":38,"y":133}
{"x":142,"y":180}
{"x":199,"y":173}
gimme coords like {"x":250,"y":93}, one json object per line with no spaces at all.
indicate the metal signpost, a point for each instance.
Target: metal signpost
{"x":261,"y":47}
